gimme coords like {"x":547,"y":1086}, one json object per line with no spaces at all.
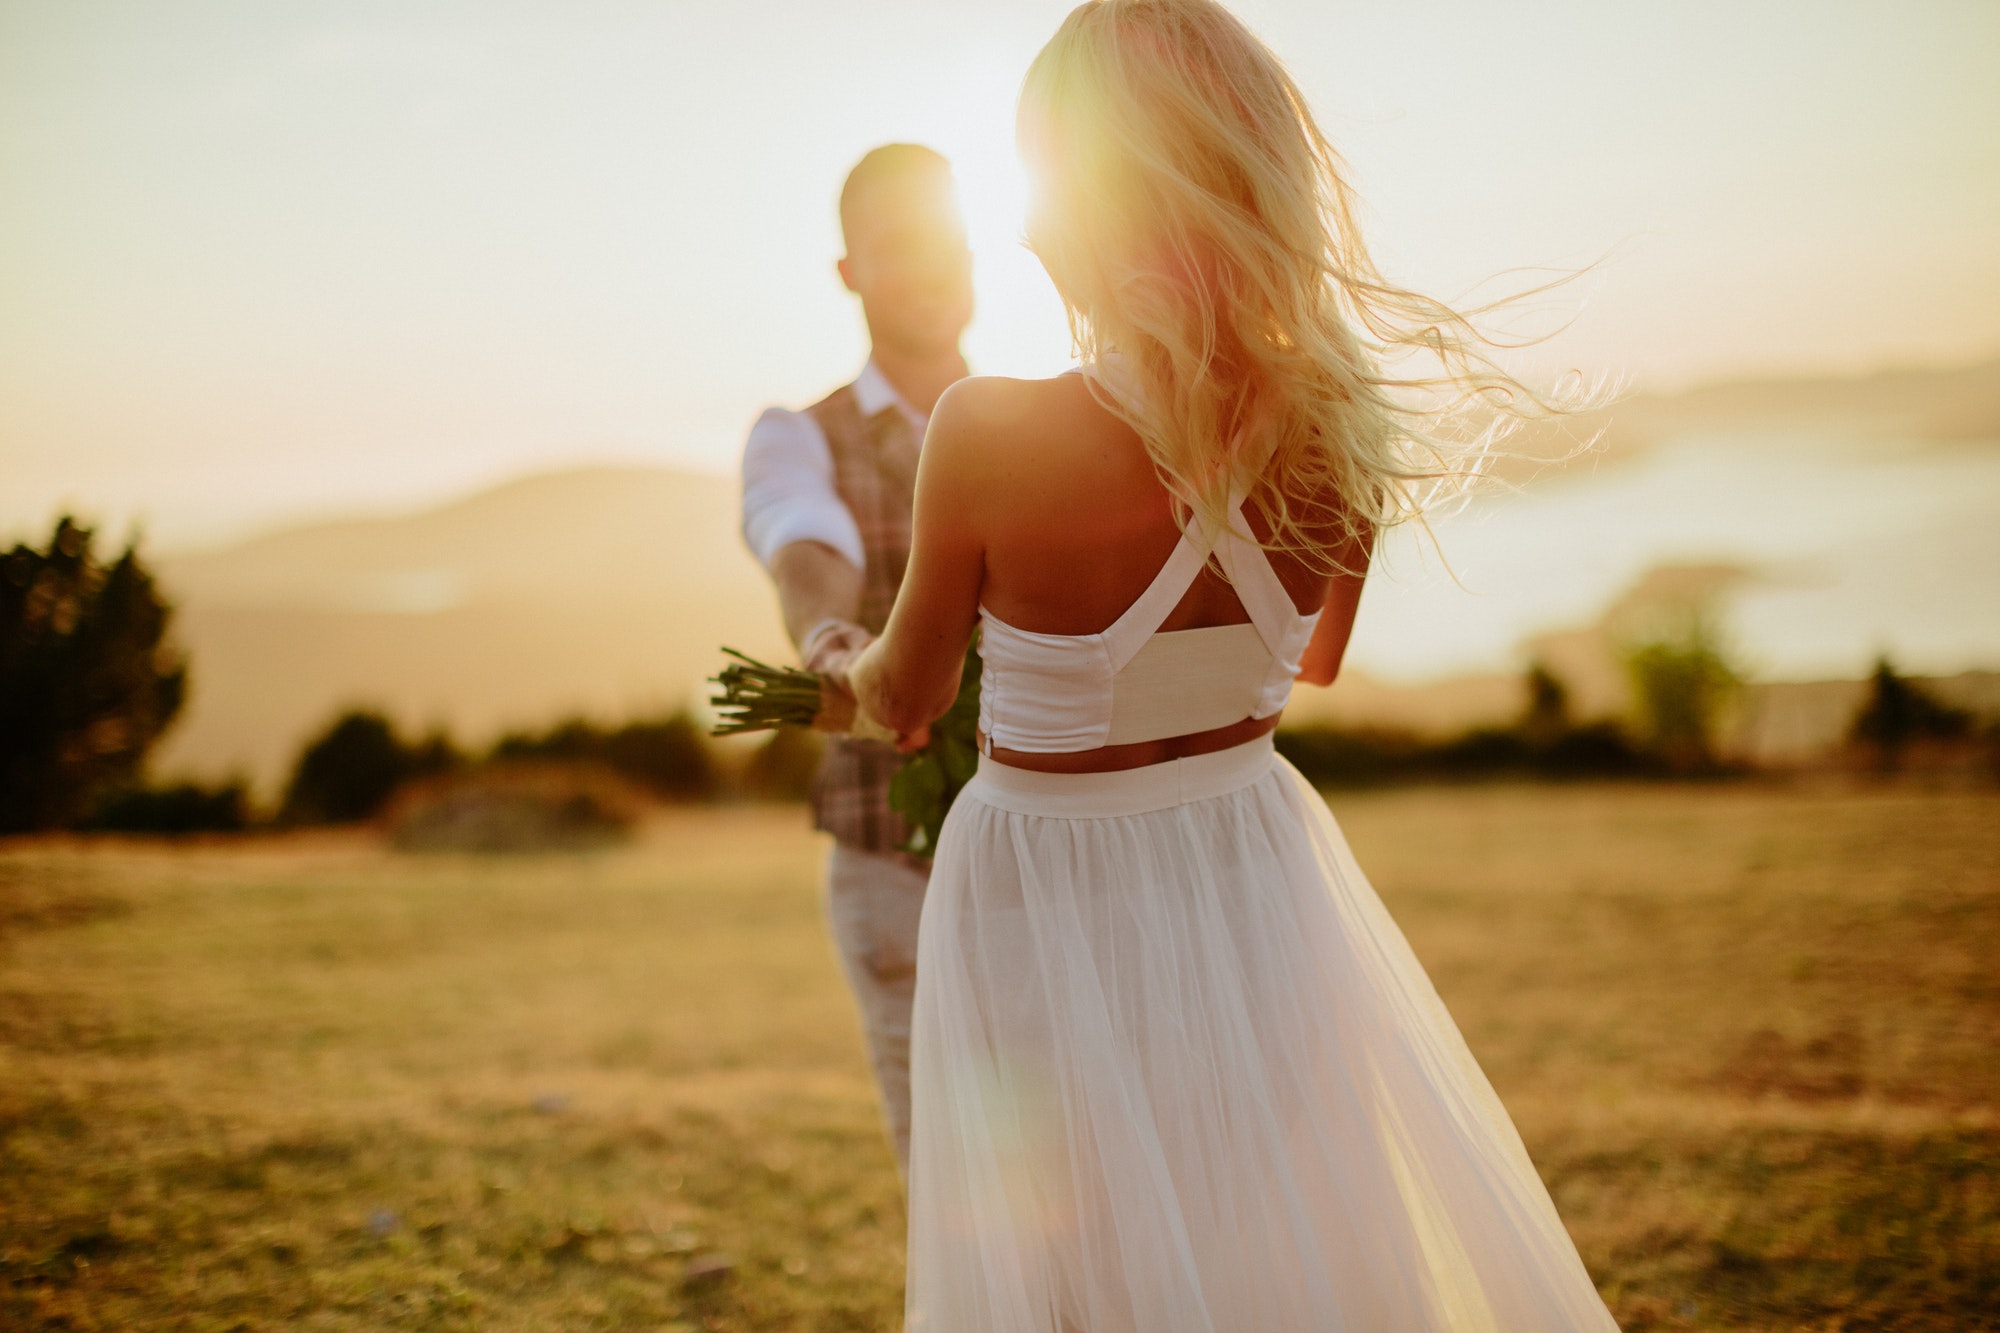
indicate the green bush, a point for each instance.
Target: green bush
{"x":1594,"y":750}
{"x":784,"y":766}
{"x":1682,"y":680}
{"x":174,"y":810}
{"x":527,"y":807}
{"x":1343,"y":757}
{"x":1542,"y":743}
{"x":348,"y":772}
{"x":668,"y":756}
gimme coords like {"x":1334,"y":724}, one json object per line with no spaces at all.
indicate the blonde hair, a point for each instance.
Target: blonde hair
{"x":1202,"y":235}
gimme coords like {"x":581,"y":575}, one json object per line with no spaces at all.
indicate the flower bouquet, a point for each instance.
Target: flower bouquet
{"x":755,"y":696}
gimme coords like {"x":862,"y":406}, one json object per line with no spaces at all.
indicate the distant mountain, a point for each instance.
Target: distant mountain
{"x":590,"y":536}
{"x":1956,"y":404}
{"x":1928,"y":404}
{"x":605,"y":590}
{"x":609,"y":590}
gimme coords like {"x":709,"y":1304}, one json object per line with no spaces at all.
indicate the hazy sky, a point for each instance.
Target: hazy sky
{"x":265,"y":259}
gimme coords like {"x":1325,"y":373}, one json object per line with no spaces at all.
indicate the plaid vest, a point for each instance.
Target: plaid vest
{"x":875,"y":474}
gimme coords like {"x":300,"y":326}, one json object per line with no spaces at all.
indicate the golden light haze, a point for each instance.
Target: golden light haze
{"x":261,"y":261}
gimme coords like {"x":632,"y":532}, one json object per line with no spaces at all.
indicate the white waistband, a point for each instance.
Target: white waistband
{"x":1129,"y":791}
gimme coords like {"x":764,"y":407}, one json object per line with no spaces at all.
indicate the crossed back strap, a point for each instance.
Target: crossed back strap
{"x":1246,"y":563}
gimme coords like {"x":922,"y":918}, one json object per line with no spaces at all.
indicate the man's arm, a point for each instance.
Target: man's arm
{"x":796,"y":526}
{"x":816,"y":584}
{"x":819,"y":594}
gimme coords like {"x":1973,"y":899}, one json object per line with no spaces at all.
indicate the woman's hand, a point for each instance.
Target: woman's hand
{"x":866,"y":676}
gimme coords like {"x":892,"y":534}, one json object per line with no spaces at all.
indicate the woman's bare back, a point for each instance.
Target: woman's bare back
{"x":1075,"y":525}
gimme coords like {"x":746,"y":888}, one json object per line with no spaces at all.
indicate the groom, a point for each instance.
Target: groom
{"x":826,"y":509}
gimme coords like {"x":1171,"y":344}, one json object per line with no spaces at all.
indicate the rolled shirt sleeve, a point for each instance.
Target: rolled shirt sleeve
{"x":788,"y":490}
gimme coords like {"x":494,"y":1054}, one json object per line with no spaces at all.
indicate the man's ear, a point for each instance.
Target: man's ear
{"x":845,"y":268}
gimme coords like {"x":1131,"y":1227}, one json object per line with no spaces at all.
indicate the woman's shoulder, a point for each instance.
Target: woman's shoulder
{"x":1001,"y":402}
{"x":1035,"y":462}
{"x":985,"y":423}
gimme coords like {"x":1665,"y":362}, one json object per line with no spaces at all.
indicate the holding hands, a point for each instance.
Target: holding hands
{"x":831,"y":651}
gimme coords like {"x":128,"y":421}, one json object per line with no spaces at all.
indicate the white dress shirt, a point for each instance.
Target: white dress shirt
{"x":788,"y":490}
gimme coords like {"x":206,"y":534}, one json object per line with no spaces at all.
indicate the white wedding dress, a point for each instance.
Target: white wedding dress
{"x":1174,"y":1069}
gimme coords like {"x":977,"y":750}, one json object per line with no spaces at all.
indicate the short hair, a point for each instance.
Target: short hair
{"x":890,"y":164}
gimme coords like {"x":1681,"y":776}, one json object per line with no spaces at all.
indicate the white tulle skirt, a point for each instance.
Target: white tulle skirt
{"x":1174,"y":1068}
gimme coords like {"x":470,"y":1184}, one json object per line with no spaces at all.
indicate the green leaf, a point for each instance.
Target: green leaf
{"x":917,"y":785}
{"x":959,"y":761}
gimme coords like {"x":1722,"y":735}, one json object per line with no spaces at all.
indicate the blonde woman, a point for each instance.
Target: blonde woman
{"x":1173,"y":1066}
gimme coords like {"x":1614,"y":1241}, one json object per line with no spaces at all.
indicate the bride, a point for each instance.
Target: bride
{"x":1174,"y":1067}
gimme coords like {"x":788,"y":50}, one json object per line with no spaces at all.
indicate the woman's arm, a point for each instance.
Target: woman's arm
{"x":908,"y":678}
{"x":1320,"y":662}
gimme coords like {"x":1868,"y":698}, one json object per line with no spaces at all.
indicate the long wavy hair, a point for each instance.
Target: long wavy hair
{"x":1201,"y":232}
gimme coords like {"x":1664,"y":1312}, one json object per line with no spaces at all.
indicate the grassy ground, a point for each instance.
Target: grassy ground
{"x":1748,"y":1035}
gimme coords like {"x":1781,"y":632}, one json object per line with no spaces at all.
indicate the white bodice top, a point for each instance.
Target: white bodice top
{"x":1060,"y":693}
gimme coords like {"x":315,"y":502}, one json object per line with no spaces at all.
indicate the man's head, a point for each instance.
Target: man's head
{"x":907,"y":258}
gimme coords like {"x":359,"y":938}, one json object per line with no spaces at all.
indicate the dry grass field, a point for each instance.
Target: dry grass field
{"x":1749,"y":1035}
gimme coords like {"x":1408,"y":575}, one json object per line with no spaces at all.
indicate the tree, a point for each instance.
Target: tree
{"x":88,"y":679}
{"x":349,"y":771}
{"x":1897,"y":712}
{"x":1545,"y":719}
{"x":1681,"y":682}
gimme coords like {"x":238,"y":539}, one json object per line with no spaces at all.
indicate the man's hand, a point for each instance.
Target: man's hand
{"x":836,"y":708}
